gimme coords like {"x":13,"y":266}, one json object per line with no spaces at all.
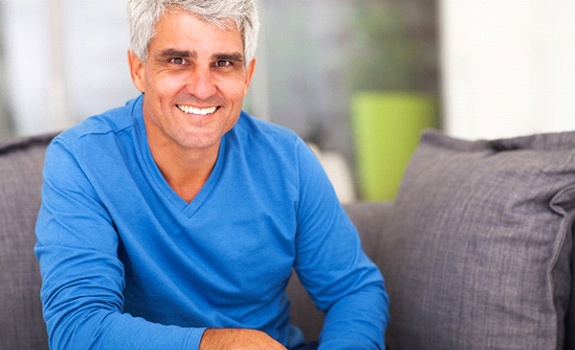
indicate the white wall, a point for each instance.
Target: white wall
{"x":65,"y":60}
{"x":508,"y":67}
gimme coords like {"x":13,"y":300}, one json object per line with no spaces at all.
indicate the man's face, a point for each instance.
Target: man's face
{"x":194,"y":81}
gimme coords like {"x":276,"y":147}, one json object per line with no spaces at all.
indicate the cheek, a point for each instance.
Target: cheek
{"x":233,"y":86}
{"x":165,"y":85}
{"x":166,"y":88}
{"x":236,"y":92}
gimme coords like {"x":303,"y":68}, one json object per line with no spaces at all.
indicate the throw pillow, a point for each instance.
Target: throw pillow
{"x":477,"y":251}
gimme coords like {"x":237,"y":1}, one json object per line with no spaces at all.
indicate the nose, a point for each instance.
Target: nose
{"x":201,"y":83}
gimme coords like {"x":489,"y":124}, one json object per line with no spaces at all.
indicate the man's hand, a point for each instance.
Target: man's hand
{"x":237,"y":339}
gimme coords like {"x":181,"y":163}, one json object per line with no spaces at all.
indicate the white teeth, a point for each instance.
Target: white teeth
{"x":197,"y":111}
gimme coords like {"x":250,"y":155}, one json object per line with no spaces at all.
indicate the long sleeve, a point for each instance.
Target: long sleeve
{"x":127,"y":264}
{"x":332,"y":266}
{"x":83,"y":278}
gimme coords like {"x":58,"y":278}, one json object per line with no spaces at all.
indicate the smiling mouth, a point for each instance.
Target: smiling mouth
{"x":197,"y":111}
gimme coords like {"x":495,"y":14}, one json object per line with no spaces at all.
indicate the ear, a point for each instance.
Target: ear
{"x":137,"y":71}
{"x":250,"y":68}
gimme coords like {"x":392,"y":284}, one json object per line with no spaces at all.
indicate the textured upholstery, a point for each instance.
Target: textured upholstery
{"x":479,"y":250}
{"x":21,"y":324}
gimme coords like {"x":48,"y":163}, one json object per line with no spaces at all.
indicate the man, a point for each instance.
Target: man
{"x":174,"y":222}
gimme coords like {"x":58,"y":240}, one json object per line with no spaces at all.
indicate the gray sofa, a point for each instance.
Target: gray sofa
{"x":476,"y":250}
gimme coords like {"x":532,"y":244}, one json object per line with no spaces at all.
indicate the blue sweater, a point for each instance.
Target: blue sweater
{"x":127,"y":264}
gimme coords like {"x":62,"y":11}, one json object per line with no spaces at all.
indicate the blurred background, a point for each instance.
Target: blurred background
{"x":359,"y":80}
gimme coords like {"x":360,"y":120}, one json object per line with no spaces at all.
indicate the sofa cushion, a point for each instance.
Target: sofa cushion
{"x":21,"y":322}
{"x":476,"y":254}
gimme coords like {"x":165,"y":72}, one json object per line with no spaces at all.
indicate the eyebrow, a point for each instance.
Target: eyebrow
{"x":236,"y":56}
{"x":177,"y":53}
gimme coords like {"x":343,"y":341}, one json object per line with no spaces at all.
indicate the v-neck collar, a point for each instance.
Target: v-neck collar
{"x":157,"y":180}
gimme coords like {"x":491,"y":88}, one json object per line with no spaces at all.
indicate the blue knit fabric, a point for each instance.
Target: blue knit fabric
{"x":127,"y":264}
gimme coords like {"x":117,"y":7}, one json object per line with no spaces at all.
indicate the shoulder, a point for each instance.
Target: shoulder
{"x":256,"y":126}
{"x":101,"y":139}
{"x":253,"y":131}
{"x":105,"y":126}
{"x":271,"y":145}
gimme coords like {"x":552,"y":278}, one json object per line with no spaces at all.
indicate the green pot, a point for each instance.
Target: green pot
{"x":386,"y":128}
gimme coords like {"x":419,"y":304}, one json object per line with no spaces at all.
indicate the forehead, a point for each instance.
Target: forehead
{"x":179,"y":27}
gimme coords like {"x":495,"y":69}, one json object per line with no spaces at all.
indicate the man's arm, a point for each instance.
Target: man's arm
{"x":83,"y":278}
{"x":333,"y":267}
{"x":238,"y":339}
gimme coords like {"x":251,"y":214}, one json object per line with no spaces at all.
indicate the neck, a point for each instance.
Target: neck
{"x":185,"y":170}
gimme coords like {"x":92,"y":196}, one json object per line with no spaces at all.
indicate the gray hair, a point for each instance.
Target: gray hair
{"x":144,"y":14}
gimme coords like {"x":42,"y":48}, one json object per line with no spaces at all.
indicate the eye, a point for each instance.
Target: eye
{"x":178,"y":61}
{"x":223,"y":63}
